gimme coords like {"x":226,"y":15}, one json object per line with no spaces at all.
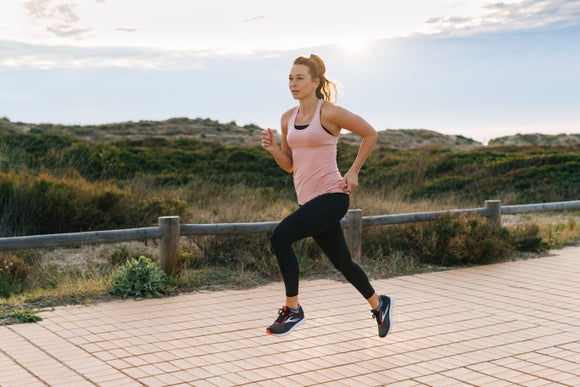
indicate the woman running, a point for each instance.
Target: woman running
{"x":308,"y":150}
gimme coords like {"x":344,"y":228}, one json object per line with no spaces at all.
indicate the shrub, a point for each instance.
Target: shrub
{"x":442,"y":186}
{"x":13,"y":273}
{"x":526,"y":238}
{"x":47,"y":204}
{"x":140,"y":278}
{"x":447,"y":241}
{"x":123,"y":254}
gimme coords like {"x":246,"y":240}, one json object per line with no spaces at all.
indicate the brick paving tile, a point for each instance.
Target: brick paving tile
{"x":514,"y":322}
{"x":523,"y":379}
{"x":406,"y":383}
{"x":365,"y":380}
{"x":338,"y":383}
{"x":539,"y":383}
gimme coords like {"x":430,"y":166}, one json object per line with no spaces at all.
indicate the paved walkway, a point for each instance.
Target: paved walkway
{"x":514,"y":323}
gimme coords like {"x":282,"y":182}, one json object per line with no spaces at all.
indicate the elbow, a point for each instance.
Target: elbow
{"x":373,"y":136}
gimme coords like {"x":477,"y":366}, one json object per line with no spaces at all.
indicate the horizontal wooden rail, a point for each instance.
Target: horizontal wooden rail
{"x":545,"y":207}
{"x":227,"y":228}
{"x":170,"y":229}
{"x":68,"y":239}
{"x":382,"y":220}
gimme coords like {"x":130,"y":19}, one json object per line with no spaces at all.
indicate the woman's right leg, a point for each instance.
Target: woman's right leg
{"x":285,"y":234}
{"x":310,"y":219}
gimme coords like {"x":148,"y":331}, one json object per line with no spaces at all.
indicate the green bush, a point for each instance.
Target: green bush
{"x":33,"y":204}
{"x":123,"y":254}
{"x":447,"y":241}
{"x":23,"y":316}
{"x":140,"y":278}
{"x":443,"y":185}
{"x":526,"y":238}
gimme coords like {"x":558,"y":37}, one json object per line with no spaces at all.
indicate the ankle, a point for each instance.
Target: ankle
{"x":292,"y":302}
{"x":374,"y":301}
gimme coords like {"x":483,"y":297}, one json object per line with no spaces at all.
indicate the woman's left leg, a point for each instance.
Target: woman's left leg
{"x":333,"y":244}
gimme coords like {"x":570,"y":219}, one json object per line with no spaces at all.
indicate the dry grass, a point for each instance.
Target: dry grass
{"x":385,"y":203}
{"x":83,"y":274}
{"x":557,"y":229}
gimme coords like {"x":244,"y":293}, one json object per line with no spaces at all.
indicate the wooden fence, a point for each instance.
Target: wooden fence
{"x":169,"y":229}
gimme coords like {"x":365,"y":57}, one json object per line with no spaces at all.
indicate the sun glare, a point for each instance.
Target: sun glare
{"x":355,"y":46}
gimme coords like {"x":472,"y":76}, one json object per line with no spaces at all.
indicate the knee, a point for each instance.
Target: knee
{"x":277,"y":239}
{"x":345,"y":265}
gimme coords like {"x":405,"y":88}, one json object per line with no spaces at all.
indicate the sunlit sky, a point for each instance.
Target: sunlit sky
{"x":476,"y":68}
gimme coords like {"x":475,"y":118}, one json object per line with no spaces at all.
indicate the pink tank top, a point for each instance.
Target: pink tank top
{"x":313,"y":159}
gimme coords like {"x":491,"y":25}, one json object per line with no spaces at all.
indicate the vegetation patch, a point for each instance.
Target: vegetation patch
{"x":19,"y":317}
{"x":140,"y":278}
{"x":56,"y":179}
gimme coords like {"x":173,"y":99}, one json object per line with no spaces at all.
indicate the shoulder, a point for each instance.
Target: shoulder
{"x":331,"y":111}
{"x":288,"y":113}
{"x":286,"y":117}
{"x":335,"y":118}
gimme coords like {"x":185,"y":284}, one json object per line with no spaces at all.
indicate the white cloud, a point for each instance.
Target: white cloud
{"x":17,"y":55}
{"x":52,"y":10}
{"x":115,"y":34}
{"x":59,"y":18}
{"x":65,"y":31}
{"x":127,"y":29}
{"x":527,"y":14}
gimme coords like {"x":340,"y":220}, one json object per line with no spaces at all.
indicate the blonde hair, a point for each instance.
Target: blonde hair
{"x":327,"y":89}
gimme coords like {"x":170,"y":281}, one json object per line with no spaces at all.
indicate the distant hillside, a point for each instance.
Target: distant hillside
{"x":183,"y":128}
{"x":231,"y":134}
{"x":228,"y":134}
{"x":416,"y":138}
{"x":538,"y":139}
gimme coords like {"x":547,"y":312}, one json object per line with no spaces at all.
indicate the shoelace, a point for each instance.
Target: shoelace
{"x":377,"y":316}
{"x":283,"y":314}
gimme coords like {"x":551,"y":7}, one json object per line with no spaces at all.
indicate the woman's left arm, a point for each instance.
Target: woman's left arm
{"x":336,"y":118}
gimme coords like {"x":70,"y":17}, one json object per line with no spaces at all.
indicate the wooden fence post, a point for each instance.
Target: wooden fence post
{"x":353,"y":233}
{"x":494,"y":207}
{"x":169,"y":243}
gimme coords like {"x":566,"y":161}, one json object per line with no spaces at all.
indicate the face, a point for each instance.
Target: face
{"x":301,"y":83}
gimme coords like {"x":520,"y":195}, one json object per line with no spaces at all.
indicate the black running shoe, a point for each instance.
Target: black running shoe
{"x":286,"y":322}
{"x":384,"y":315}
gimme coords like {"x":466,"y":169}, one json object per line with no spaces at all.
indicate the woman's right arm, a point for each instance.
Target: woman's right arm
{"x":283,"y":155}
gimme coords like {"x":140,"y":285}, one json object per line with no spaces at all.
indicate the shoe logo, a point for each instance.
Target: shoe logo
{"x":384,"y":314}
{"x":292,"y":319}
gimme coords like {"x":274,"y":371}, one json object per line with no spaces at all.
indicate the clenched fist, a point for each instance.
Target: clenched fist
{"x":268,"y":140}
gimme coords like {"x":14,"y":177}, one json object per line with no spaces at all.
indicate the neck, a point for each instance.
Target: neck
{"x":307,"y":106}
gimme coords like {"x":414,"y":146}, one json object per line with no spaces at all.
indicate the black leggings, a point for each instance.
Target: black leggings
{"x":320,"y":219}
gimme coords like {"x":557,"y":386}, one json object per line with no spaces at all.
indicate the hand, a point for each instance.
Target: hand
{"x":268,"y":140}
{"x":350,"y":181}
